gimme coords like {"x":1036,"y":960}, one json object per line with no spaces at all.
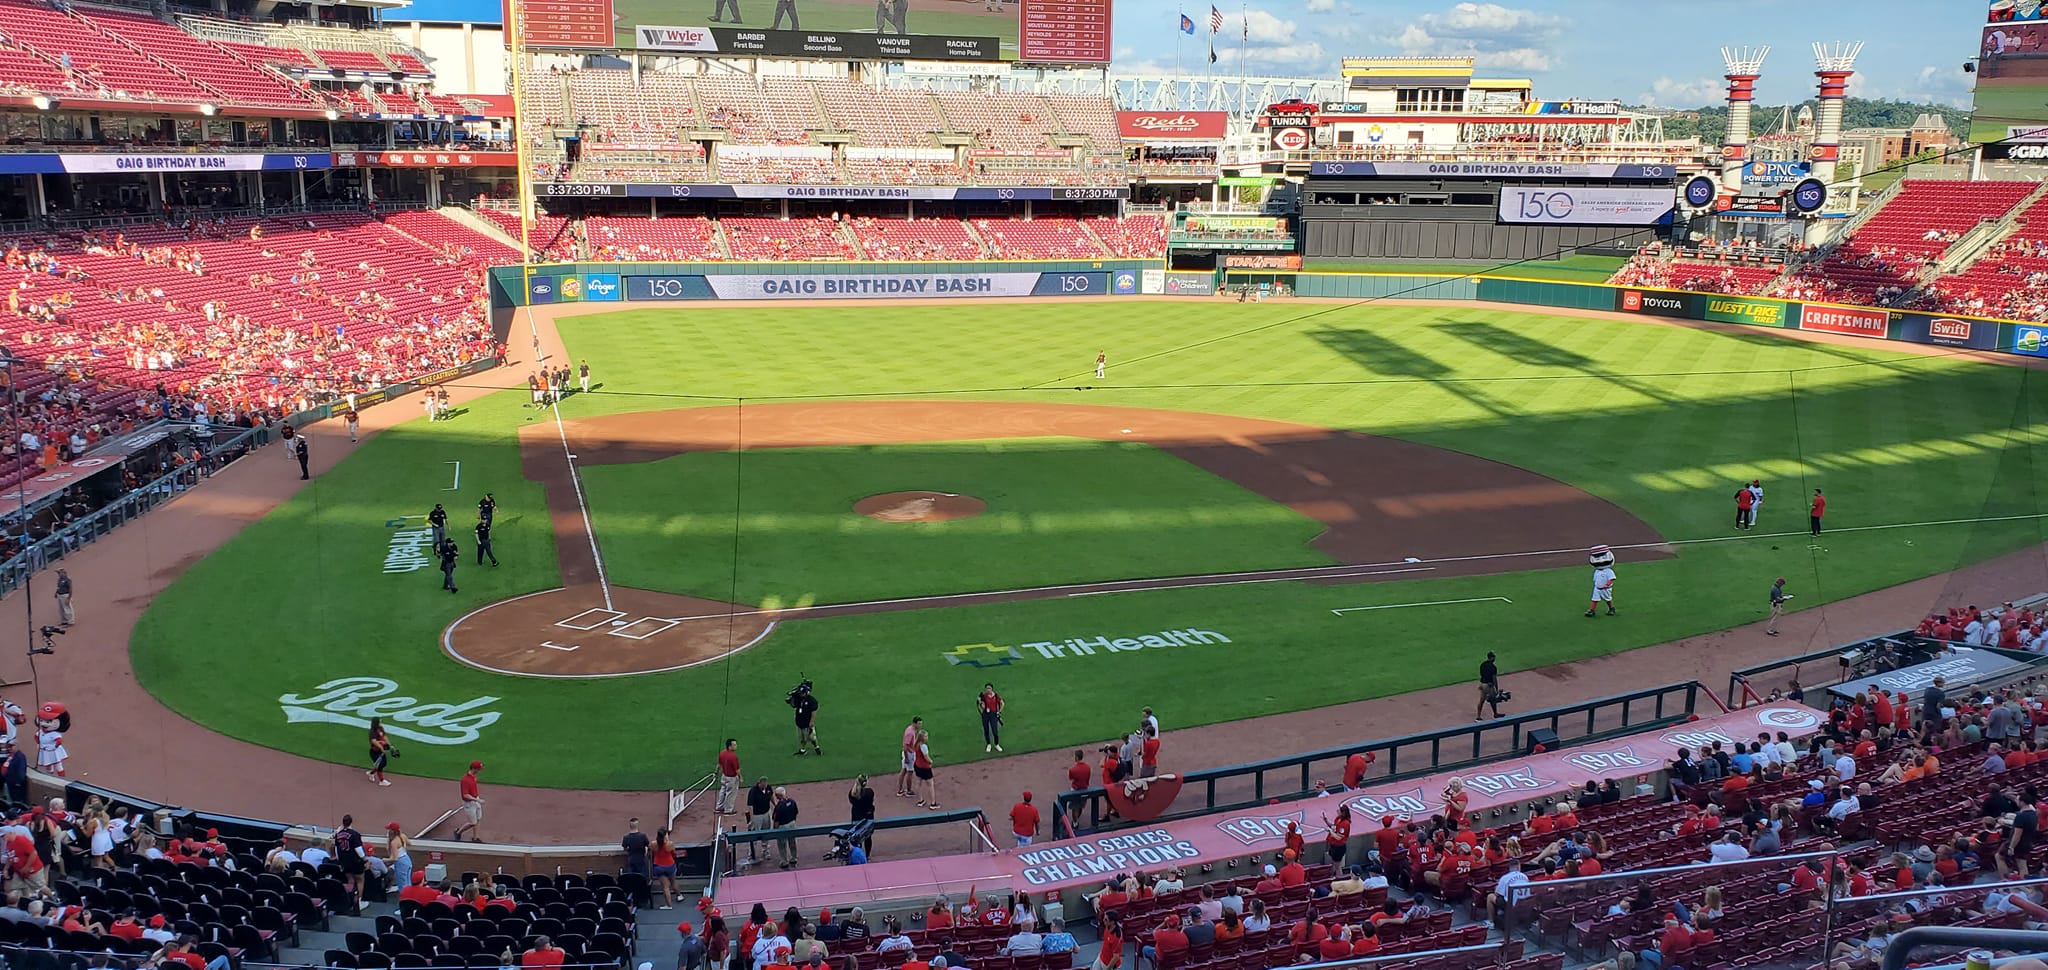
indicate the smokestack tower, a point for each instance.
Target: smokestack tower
{"x":1836,"y":63}
{"x":1745,"y":65}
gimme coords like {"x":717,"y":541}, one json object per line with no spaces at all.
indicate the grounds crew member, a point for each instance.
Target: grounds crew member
{"x":487,"y":507}
{"x":438,"y":518}
{"x":483,"y":542}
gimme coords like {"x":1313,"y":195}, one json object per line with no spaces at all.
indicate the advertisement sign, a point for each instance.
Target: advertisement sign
{"x":1262,"y":261}
{"x":569,"y":289}
{"x":2010,"y":11}
{"x":2031,"y":340}
{"x":1700,"y":191}
{"x":540,"y":289}
{"x":1292,"y":139}
{"x":1064,"y":31}
{"x":1774,"y":173}
{"x":1810,"y":195}
{"x":847,"y":45}
{"x":1921,"y":328}
{"x":1172,"y":125}
{"x":890,"y":286}
{"x":933,"y":193}
{"x":1215,"y":223}
{"x":1959,"y":669}
{"x":1190,"y":284}
{"x":1588,"y":205}
{"x":668,"y":288}
{"x":1656,"y":303}
{"x":1230,"y":180}
{"x":422,"y":159}
{"x":1849,"y":320}
{"x":602,"y":288}
{"x":1574,"y":107}
{"x":176,"y":162}
{"x":1739,"y":309}
{"x":1493,"y":170}
{"x":1152,"y":282}
{"x":1124,"y":283}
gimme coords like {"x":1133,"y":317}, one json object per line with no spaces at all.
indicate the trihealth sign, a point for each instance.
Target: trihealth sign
{"x":996,"y":655}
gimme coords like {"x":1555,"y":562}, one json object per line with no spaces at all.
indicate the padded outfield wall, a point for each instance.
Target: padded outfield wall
{"x":639,"y":282}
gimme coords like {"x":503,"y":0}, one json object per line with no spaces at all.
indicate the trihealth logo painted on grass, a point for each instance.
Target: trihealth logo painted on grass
{"x":410,"y":550}
{"x":996,"y":655}
{"x":354,"y":700}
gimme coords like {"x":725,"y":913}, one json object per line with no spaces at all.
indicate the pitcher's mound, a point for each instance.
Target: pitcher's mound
{"x":920,"y":507}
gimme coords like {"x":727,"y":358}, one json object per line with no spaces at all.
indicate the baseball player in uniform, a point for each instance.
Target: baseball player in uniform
{"x":1602,"y":560}
{"x":1101,"y":364}
{"x":1756,"y":501}
{"x":788,"y":7}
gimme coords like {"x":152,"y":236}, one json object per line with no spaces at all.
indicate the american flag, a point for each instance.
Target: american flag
{"x":1215,"y":20}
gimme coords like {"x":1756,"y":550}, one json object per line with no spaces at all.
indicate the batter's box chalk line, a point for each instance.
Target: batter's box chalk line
{"x":643,"y":628}
{"x":591,"y":619}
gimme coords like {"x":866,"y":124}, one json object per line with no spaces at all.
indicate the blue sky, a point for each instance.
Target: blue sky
{"x":1664,"y":52}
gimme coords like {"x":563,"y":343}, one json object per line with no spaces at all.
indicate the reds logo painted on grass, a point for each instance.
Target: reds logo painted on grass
{"x":354,"y":700}
{"x":997,"y":655}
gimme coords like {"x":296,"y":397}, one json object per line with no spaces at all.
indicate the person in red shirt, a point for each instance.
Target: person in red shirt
{"x":1455,"y":800}
{"x":1338,"y":842}
{"x":1941,"y":630}
{"x":1309,"y":932}
{"x":180,"y":950}
{"x":1744,"y":500}
{"x":1881,"y":705}
{"x":24,"y":865}
{"x":1110,"y":898}
{"x":1078,"y":778}
{"x":1294,"y":842}
{"x":419,"y":892}
{"x":1387,"y":840}
{"x":1355,"y":768}
{"x":543,"y":954}
{"x":472,"y":805}
{"x":1804,"y":881}
{"x":1168,"y":943}
{"x":1111,"y":955}
{"x":1024,"y":821}
{"x":939,"y":916}
{"x":126,"y":928}
{"x":1365,"y":939}
{"x":1149,"y":752}
{"x":990,"y":704}
{"x":1820,"y":507}
{"x":728,"y":775}
{"x":1541,"y":824}
{"x":1902,"y":712}
{"x":1336,"y":946}
{"x":1270,"y":884}
{"x":1292,"y":874}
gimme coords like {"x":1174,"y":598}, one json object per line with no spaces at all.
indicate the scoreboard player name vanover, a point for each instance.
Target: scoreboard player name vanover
{"x":997,"y":655}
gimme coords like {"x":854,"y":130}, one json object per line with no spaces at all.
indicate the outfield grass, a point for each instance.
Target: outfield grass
{"x":1571,"y":269}
{"x":1662,"y":420}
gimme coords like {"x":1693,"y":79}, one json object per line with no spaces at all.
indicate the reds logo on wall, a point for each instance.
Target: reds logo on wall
{"x":1172,"y":125}
{"x":1291,"y":139}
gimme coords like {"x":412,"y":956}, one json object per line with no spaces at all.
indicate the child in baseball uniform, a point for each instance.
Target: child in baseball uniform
{"x":1602,"y":560}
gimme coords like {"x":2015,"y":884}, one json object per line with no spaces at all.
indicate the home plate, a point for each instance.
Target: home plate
{"x":618,"y":622}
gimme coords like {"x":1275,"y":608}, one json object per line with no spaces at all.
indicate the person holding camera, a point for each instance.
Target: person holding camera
{"x":990,"y":704}
{"x":381,"y":752}
{"x":806,"y":705}
{"x":1490,"y":694}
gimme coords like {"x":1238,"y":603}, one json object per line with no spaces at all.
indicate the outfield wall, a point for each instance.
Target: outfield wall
{"x":556,"y":283}
{"x":1874,"y":323}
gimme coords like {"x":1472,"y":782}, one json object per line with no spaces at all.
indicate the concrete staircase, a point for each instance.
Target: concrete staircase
{"x":1964,"y":252}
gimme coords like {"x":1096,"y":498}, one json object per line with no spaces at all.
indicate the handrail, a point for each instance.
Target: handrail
{"x":1902,"y":946}
{"x":40,"y":554}
{"x":1486,"y":742}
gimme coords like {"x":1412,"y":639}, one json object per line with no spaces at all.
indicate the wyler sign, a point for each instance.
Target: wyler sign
{"x":1656,"y":303}
{"x":1850,"y":321}
{"x":1922,"y":328}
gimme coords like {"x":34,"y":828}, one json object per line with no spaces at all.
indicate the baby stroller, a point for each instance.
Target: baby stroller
{"x":845,"y":838}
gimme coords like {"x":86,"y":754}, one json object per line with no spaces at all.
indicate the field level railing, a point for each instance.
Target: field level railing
{"x":1393,"y":759}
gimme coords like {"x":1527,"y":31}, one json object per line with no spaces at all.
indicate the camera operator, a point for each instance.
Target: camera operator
{"x":1490,"y":694}
{"x":806,"y":705}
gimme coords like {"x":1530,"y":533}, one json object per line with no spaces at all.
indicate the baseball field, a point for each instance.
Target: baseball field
{"x":1259,"y":508}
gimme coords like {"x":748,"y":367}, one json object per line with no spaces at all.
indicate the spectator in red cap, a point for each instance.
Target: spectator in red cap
{"x":1079,"y":775}
{"x":1169,"y":944}
{"x":1024,"y":821}
{"x":418,"y":891}
{"x":690,"y":950}
{"x":472,"y":808}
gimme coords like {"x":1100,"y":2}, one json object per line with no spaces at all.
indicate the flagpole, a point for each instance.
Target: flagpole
{"x":1244,"y":37}
{"x":1179,"y":68}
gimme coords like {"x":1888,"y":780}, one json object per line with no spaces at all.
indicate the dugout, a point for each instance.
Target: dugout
{"x":1452,"y":219}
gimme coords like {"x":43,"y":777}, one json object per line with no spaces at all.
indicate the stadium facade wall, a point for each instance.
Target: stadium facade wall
{"x":1453,"y":233}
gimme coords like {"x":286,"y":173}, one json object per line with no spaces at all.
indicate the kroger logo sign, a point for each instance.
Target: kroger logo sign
{"x":602,"y":288}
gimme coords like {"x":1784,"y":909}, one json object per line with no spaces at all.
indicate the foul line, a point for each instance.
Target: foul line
{"x":458,"y":477}
{"x":1305,"y":573}
{"x":1248,"y":582}
{"x":604,"y":585}
{"x":1397,"y":606}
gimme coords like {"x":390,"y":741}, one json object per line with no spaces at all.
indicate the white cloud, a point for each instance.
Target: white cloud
{"x":1263,"y":27}
{"x":1668,"y":92}
{"x":1495,"y":36}
{"x":1124,"y":53}
{"x":1320,"y":6}
{"x":1305,"y":58}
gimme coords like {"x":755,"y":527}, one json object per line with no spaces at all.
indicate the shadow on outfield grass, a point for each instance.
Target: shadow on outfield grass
{"x":1526,"y":349}
{"x":1379,"y":355}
